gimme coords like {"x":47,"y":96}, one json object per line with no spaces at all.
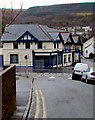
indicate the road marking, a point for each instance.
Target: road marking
{"x":44,"y":105}
{"x":52,"y":77}
{"x":37,"y":105}
{"x":39,"y":93}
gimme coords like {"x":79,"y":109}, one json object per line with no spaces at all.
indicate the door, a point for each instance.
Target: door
{"x":1,"y":60}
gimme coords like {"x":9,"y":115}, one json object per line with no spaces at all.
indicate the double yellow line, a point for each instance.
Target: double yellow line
{"x":39,"y":94}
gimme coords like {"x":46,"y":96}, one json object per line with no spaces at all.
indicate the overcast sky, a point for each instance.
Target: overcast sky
{"x":31,"y":3}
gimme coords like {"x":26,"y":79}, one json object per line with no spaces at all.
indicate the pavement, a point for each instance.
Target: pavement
{"x":90,"y":62}
{"x":23,"y":86}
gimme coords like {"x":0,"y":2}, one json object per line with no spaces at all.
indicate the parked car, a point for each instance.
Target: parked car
{"x":88,"y":75}
{"x":78,"y":70}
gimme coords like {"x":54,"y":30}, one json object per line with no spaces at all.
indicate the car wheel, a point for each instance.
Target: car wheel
{"x":73,"y":77}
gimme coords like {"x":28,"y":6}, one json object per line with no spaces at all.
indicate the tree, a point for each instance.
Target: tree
{"x":8,"y":16}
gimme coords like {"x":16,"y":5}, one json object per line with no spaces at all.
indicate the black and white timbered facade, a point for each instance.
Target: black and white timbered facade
{"x":39,"y":46}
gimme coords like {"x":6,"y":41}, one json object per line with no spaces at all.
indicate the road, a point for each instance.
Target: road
{"x":56,"y":95}
{"x":90,"y":62}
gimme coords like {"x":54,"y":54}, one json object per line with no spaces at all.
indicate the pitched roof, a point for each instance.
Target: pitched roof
{"x":76,"y":39}
{"x":54,"y":35}
{"x":13,"y":32}
{"x":40,"y":32}
{"x":65,"y":36}
{"x":91,"y":41}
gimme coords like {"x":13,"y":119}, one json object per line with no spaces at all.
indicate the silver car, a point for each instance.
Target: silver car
{"x":78,"y":70}
{"x":88,"y":75}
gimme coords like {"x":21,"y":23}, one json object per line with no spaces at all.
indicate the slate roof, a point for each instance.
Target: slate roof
{"x":76,"y":39}
{"x":40,"y":32}
{"x":54,"y":35}
{"x":65,"y":36}
{"x":13,"y":32}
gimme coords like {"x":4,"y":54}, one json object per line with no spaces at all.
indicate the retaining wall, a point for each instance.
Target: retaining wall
{"x":7,"y":92}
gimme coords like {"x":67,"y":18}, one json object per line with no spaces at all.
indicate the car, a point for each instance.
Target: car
{"x":78,"y":70}
{"x":88,"y":75}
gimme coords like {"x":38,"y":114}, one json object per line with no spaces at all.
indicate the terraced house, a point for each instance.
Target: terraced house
{"x":39,"y":46}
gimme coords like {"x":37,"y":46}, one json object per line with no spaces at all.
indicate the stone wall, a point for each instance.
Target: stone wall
{"x":8,"y":95}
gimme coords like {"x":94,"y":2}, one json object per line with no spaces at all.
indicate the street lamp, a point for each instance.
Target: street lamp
{"x":26,"y":58}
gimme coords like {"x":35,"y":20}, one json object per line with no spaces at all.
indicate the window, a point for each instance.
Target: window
{"x":25,"y":37}
{"x":40,"y":45}
{"x":15,"y":45}
{"x":57,"y":45}
{"x":69,"y":58}
{"x":54,"y":44}
{"x":14,"y":58}
{"x":29,"y":37}
{"x":54,"y":60}
{"x":65,"y":58}
{"x":27,"y":45}
{"x":60,"y":59}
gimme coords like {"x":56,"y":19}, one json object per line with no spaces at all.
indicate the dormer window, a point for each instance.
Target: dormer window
{"x":32,"y":38}
{"x":25,"y":37}
{"x":15,"y":45}
{"x":29,"y":37}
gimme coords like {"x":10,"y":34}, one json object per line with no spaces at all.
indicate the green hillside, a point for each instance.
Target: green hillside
{"x":56,"y":9}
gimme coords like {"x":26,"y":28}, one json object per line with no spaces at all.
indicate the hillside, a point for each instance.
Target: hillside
{"x":56,"y":9}
{"x":79,"y":14}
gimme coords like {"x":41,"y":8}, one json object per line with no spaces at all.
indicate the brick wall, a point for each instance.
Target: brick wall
{"x":8,"y":92}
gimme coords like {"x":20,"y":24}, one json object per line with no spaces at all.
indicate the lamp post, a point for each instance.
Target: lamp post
{"x":26,"y":70}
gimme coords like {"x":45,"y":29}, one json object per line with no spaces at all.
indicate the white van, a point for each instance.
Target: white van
{"x":78,"y":70}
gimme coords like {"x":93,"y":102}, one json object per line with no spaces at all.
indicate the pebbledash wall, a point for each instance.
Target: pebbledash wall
{"x":7,"y":92}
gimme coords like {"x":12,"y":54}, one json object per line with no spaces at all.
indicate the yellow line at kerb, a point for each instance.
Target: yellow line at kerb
{"x":37,"y":105}
{"x":39,"y":94}
{"x":43,"y":102}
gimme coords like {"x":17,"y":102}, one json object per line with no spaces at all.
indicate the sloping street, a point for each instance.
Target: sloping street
{"x":54,"y":95}
{"x":63,"y":97}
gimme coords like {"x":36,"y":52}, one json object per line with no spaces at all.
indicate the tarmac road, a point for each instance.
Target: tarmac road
{"x":57,"y":96}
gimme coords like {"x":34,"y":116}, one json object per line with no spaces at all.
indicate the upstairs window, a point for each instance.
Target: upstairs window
{"x":29,"y":37}
{"x":27,"y":45}
{"x":54,"y":44}
{"x":40,"y":45}
{"x":15,"y":45}
{"x":14,"y":58}
{"x":57,"y":45}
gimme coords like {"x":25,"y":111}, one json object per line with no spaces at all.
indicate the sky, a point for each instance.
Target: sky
{"x":31,"y":3}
